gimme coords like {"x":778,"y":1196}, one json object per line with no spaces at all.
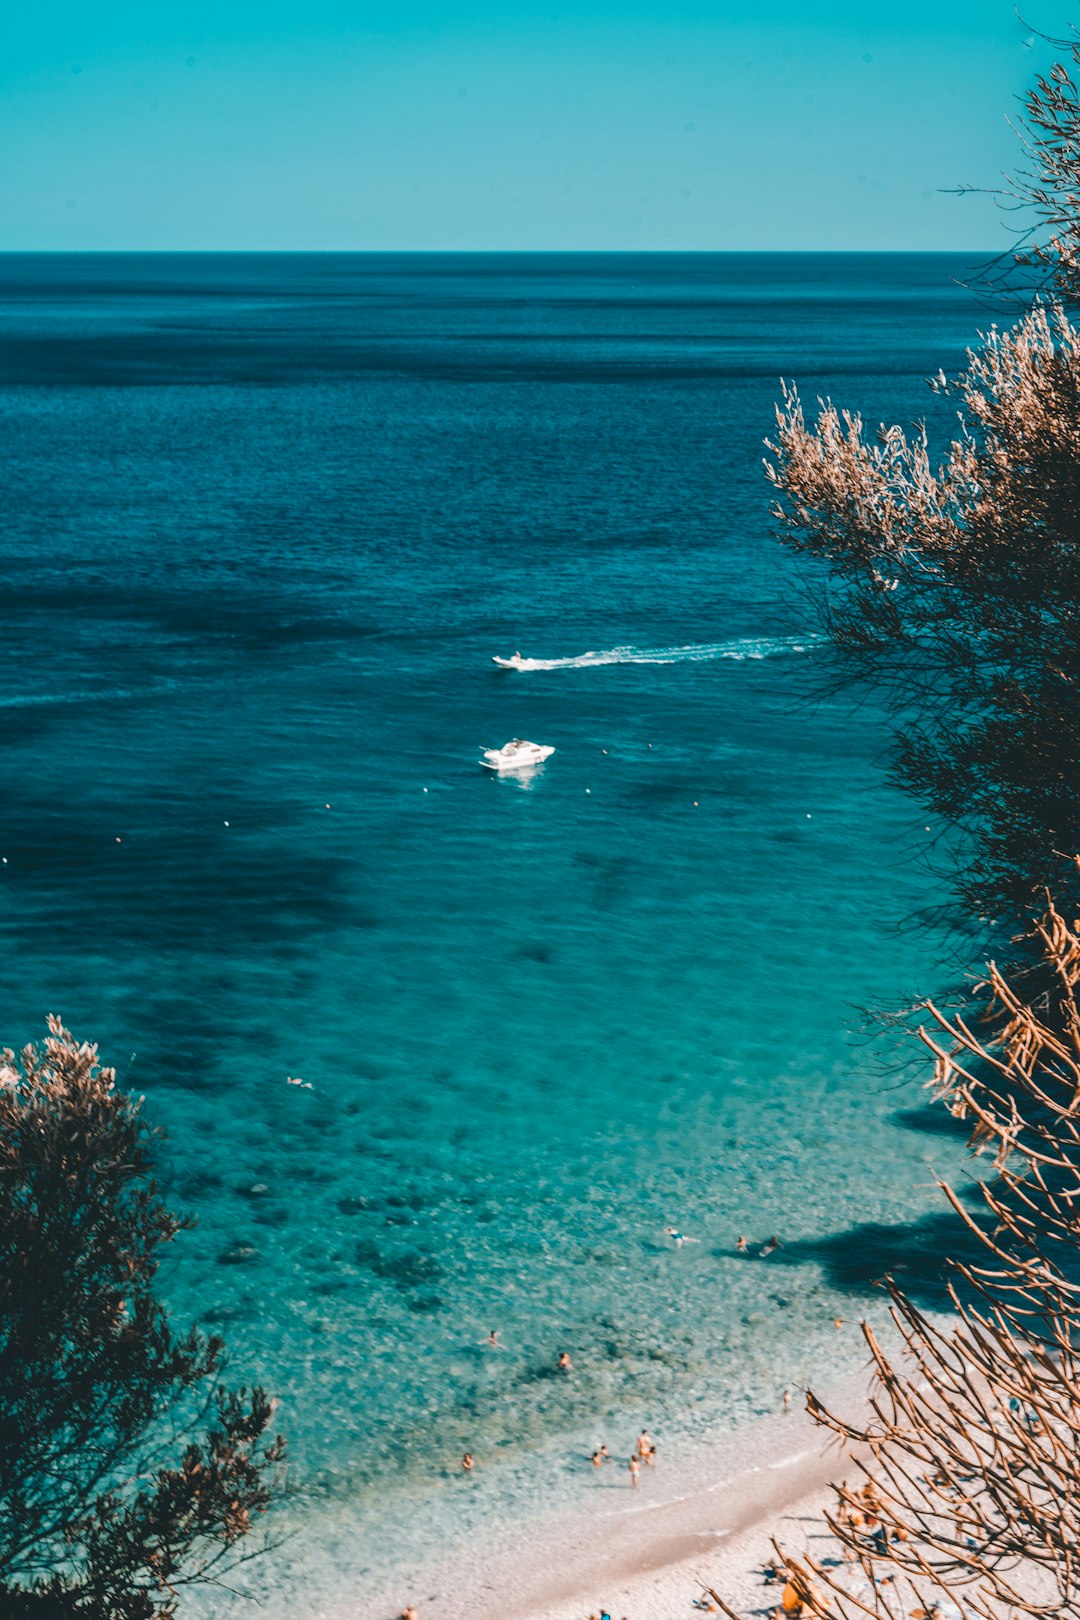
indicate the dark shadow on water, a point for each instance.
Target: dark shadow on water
{"x":915,"y":1253}
{"x":28,"y":723}
{"x":254,"y":617}
{"x":168,"y":887}
{"x":177,"y":1045}
{"x":610,"y":877}
{"x":933,"y":1120}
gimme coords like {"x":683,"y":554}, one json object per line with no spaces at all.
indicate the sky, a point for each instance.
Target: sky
{"x":499,"y":125}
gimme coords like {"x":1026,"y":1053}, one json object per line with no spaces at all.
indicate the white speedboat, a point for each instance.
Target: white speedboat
{"x":517,"y":755}
{"x":517,"y":662}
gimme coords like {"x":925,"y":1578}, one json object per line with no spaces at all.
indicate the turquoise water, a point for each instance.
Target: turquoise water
{"x":269,"y":519}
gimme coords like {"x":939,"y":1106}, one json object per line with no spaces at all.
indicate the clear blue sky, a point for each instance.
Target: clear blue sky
{"x":491,"y":124}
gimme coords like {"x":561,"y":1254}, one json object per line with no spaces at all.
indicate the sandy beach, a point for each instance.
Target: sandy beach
{"x":662,"y":1578}
{"x":647,"y":1553}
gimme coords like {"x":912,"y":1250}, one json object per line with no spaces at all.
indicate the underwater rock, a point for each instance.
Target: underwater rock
{"x":406,"y":1268}
{"x":238,"y":1254}
{"x":353,"y":1205}
{"x":424,"y":1304}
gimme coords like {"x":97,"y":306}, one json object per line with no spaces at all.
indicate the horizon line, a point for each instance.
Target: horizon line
{"x":658,"y":253}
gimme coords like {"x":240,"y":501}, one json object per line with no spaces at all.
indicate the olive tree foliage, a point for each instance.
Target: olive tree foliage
{"x":958,"y":581}
{"x":127,"y":1470}
{"x":953,"y":572}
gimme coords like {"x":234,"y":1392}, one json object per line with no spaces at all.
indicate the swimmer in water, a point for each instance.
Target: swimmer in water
{"x":467,"y":1463}
{"x":599,"y":1457}
{"x":742,"y":1244}
{"x":677,"y":1237}
{"x":770,"y":1247}
{"x":565,"y":1364}
{"x":645,"y":1448}
{"x":492,"y":1340}
{"x":635,"y":1472}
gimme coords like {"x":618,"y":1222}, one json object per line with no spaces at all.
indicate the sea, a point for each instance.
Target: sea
{"x":267,"y":520}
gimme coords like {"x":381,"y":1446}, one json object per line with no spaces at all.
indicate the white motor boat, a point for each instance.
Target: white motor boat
{"x":517,"y":662}
{"x":516,"y":755}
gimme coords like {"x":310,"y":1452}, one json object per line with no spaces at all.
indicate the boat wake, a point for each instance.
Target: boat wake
{"x":113,"y":694}
{"x":739,"y":650}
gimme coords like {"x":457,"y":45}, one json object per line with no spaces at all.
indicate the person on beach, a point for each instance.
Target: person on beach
{"x":467,"y":1463}
{"x":787,"y":1400}
{"x":409,"y":1613}
{"x":565,"y":1364}
{"x":645,"y":1448}
{"x":791,"y":1601}
{"x":635,"y":1472}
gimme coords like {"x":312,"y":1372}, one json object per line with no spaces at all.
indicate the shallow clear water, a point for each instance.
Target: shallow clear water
{"x":269,"y":519}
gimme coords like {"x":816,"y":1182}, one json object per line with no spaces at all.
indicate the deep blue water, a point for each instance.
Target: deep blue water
{"x":266,"y":521}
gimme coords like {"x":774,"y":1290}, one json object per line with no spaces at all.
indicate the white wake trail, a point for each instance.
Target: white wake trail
{"x":742,"y":648}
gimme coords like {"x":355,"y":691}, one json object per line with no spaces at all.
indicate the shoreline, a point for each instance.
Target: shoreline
{"x":645,"y":1553}
{"x":653,"y":1570}
{"x":573,"y":1542}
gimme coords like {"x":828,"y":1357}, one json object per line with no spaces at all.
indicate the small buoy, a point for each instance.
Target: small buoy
{"x":809,"y":817}
{"x":588,"y":790}
{"x":5,"y":860}
{"x":328,"y":807}
{"x":118,"y":840}
{"x":226,"y":824}
{"x":695,"y":804}
{"x":603,"y":750}
{"x":425,"y":790}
